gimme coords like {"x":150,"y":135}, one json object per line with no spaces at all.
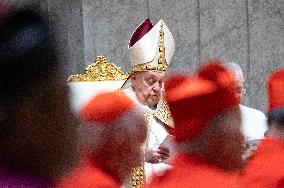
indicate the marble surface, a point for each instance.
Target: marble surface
{"x":220,"y":17}
{"x":248,"y":32}
{"x":266,"y":33}
{"x":108,"y":26}
{"x":182,"y":20}
{"x":223,"y":33}
{"x":75,"y":38}
{"x":67,"y":22}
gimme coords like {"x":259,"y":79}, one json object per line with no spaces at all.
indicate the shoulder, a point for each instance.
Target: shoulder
{"x":268,"y":157}
{"x":87,"y":176}
{"x":180,"y":177}
{"x":175,"y":177}
{"x":261,"y":169}
{"x":250,"y":111}
{"x":185,"y":174}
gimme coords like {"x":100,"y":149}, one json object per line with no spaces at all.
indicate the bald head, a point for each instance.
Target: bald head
{"x":221,"y":143}
{"x":116,"y":145}
{"x":93,"y":135}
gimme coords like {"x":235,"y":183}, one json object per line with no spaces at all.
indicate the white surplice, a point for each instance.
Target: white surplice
{"x":156,"y":134}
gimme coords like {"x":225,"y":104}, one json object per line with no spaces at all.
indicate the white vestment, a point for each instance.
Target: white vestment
{"x":156,"y":134}
{"x":254,"y":123}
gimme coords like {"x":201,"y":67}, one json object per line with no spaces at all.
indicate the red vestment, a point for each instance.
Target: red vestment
{"x":191,"y":171}
{"x":266,"y":167}
{"x":88,"y":175}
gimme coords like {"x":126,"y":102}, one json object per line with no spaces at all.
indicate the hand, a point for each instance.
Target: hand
{"x":156,"y":156}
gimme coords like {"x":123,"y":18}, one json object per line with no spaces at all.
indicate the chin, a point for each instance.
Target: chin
{"x":152,"y":104}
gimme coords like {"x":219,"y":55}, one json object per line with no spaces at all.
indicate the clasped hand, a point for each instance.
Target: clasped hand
{"x":156,"y":156}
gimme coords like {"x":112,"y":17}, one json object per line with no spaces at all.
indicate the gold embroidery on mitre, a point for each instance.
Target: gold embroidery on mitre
{"x":101,"y":70}
{"x":153,"y":65}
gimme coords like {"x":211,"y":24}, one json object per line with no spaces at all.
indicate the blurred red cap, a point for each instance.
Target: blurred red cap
{"x":106,"y":107}
{"x":195,"y":100}
{"x":275,"y":85}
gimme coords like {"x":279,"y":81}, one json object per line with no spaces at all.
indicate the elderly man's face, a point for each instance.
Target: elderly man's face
{"x":240,"y":88}
{"x":148,"y":86}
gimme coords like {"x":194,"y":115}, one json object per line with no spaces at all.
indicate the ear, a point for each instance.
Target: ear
{"x":133,"y":77}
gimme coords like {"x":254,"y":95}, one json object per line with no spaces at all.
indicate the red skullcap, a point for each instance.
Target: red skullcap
{"x":106,"y":107}
{"x":275,"y":86}
{"x":198,"y":99}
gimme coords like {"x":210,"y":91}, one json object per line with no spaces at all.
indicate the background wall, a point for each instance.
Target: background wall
{"x":248,"y":32}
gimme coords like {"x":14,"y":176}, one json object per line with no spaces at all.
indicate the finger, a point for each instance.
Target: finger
{"x":164,"y":153}
{"x":155,"y":160}
{"x":164,"y":157}
{"x":163,"y":150}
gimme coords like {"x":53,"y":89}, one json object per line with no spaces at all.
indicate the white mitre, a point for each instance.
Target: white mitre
{"x":151,"y":47}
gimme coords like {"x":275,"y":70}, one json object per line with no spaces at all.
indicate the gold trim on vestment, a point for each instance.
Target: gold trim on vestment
{"x":164,"y":115}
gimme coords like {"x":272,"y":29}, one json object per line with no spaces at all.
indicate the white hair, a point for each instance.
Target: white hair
{"x":236,"y":69}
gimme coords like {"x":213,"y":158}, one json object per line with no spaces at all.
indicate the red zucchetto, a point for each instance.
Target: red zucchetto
{"x":106,"y":107}
{"x":195,"y":100}
{"x":275,"y":86}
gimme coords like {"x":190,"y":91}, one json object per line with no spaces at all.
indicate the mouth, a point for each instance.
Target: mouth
{"x":155,"y":95}
{"x":153,"y":98}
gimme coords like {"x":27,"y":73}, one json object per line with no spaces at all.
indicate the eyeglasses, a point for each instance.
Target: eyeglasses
{"x":241,"y":90}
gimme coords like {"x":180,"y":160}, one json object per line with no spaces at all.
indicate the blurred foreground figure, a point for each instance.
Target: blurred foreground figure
{"x":111,"y":141}
{"x":4,"y":8}
{"x":266,"y":168}
{"x":207,"y":130}
{"x":36,"y":127}
{"x":254,"y":122}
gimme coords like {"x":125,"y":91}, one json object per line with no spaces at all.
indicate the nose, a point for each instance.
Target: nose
{"x":156,"y":87}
